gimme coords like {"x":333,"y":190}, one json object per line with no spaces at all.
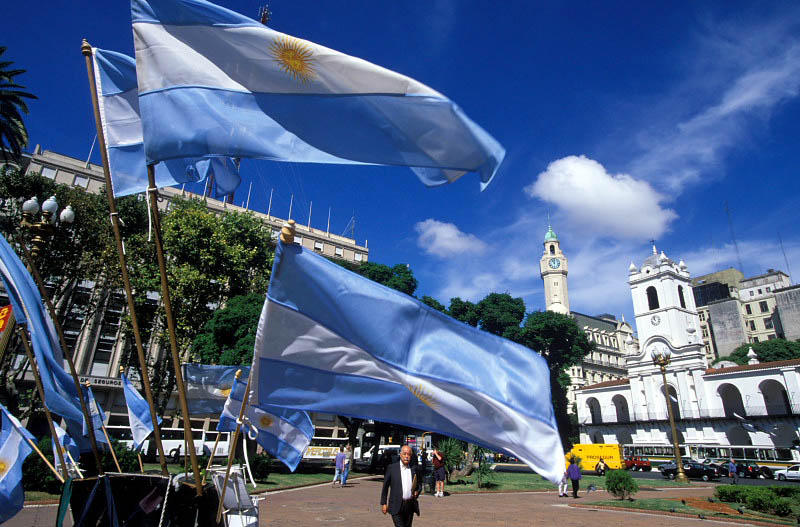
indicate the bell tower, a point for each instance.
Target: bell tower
{"x":553,"y":269}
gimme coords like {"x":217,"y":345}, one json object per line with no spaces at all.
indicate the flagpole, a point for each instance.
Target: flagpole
{"x":105,"y":433}
{"x":238,"y":375}
{"x":40,"y":389}
{"x":152,"y":192}
{"x":44,"y":458}
{"x":141,"y":466}
{"x":87,"y":52}
{"x":232,"y":448}
{"x":77,"y":468}
{"x":67,"y":354}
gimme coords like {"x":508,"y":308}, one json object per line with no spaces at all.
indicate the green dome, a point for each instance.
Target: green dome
{"x":550,"y":236}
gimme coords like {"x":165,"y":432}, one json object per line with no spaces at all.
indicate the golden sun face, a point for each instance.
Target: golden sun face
{"x":3,"y":467}
{"x":265,"y":421}
{"x":295,"y":58}
{"x":426,"y":398}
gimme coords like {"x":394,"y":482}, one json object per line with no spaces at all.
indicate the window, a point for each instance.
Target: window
{"x":751,"y":293}
{"x":81,"y":181}
{"x":768,"y":289}
{"x":319,"y":246}
{"x":752,"y":325}
{"x":763,"y":306}
{"x":759,"y":291}
{"x":652,"y":298}
{"x":552,"y":249}
{"x":768,"y":323}
{"x":702,"y":316}
{"x":339,"y":252}
{"x":358,"y":257}
{"x":748,"y":309}
{"x":298,"y":240}
{"x":49,"y":172}
{"x":680,"y":297}
{"x":555,"y":284}
{"x":705,"y":332}
{"x":755,"y":339}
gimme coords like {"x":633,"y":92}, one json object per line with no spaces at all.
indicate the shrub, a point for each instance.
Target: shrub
{"x":783,"y":507}
{"x":732,"y":493}
{"x":761,"y":499}
{"x":260,"y":464}
{"x":452,"y":451}
{"x":786,"y":492}
{"x":621,"y":484}
{"x":127,"y":458}
{"x":35,"y":473}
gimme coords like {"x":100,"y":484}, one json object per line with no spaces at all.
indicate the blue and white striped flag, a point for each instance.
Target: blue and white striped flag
{"x":282,"y":432}
{"x":214,"y":82}
{"x":332,"y":341}
{"x":138,"y":413}
{"x":208,"y":386}
{"x":96,"y":415}
{"x":118,"y":100}
{"x":68,"y":445}
{"x":14,"y":448}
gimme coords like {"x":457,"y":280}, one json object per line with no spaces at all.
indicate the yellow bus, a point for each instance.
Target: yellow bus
{"x":590,"y":454}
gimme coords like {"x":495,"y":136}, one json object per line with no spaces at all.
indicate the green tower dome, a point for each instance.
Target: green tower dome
{"x":550,"y":236}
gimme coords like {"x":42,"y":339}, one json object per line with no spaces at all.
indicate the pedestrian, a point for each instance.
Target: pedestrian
{"x":562,"y":486}
{"x":339,"y":461}
{"x":346,"y":467}
{"x":423,"y":467}
{"x":574,"y":474}
{"x":402,"y":478}
{"x":732,"y":472}
{"x":439,"y":472}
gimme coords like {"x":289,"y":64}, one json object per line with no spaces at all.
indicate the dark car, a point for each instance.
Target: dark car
{"x":638,"y":463}
{"x":749,"y":469}
{"x":692,"y":469}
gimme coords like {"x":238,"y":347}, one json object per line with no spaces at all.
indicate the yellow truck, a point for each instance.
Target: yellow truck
{"x":590,"y":454}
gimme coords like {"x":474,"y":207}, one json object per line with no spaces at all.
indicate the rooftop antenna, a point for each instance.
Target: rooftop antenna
{"x":89,"y":159}
{"x":264,"y":14}
{"x":733,"y":237}
{"x":351,"y":227}
{"x":785,"y":259}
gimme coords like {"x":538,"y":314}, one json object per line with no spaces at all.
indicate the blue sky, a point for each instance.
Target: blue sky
{"x":625,"y":121}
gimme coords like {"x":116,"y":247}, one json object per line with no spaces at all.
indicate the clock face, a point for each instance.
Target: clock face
{"x":554,"y":263}
{"x":655,"y":320}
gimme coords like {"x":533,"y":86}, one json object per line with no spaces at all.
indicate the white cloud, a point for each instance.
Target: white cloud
{"x":612,"y":205}
{"x":445,"y":239}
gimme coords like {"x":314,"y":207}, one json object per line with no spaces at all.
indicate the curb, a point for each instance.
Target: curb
{"x":750,"y":521}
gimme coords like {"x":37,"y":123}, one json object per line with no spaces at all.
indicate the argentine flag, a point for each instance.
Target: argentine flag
{"x":332,"y":341}
{"x":14,"y":448}
{"x":208,"y":386}
{"x":68,"y":445}
{"x":283,"y":433}
{"x":138,"y":413}
{"x":118,"y":101}
{"x":214,"y":82}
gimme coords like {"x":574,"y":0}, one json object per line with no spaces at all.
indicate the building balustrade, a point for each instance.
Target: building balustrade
{"x":609,"y":415}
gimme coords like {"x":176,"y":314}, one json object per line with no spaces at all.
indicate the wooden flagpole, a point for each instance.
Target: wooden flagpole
{"x":86,"y":49}
{"x":35,"y":369}
{"x":105,"y":433}
{"x":238,"y":375}
{"x":44,"y":458}
{"x":232,"y":448}
{"x":152,"y":192}
{"x":74,"y":464}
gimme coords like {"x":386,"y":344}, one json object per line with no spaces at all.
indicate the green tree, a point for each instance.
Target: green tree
{"x":230,"y":335}
{"x":13,"y":134}
{"x":464,"y":310}
{"x":558,"y":339}
{"x":499,"y":311}
{"x":766,"y":351}
{"x":399,"y":277}
{"x":432,"y":302}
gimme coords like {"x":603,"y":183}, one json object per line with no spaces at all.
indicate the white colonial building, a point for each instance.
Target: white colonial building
{"x":755,"y":405}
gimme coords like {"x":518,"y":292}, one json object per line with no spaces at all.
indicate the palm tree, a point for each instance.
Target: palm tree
{"x":13,"y":135}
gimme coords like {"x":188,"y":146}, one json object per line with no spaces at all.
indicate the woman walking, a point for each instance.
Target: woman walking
{"x":574,"y":474}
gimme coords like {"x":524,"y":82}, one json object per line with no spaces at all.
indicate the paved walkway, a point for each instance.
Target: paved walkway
{"x":357,"y":505}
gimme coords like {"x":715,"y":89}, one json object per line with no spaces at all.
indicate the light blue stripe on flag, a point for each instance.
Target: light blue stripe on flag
{"x":332,"y":341}
{"x":282,"y":432}
{"x":68,"y":444}
{"x":208,"y":386}
{"x":228,"y":86}
{"x":13,"y":451}
{"x":138,"y":413}
{"x":118,"y":99}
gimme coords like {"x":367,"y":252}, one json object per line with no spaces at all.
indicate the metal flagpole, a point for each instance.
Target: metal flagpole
{"x":269,"y":207}
{"x":152,"y":192}
{"x":232,"y":448}
{"x":310,"y":204}
{"x":249,"y":191}
{"x":67,"y":355}
{"x":105,"y":433}
{"x":40,"y":389}
{"x":87,"y":51}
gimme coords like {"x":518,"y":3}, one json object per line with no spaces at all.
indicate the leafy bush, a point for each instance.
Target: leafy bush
{"x":127,"y":458}
{"x":732,"y":493}
{"x":484,"y":471}
{"x":783,"y":507}
{"x":786,"y":492}
{"x":761,"y":499}
{"x":452,"y":451}
{"x":35,"y":473}
{"x":621,"y":484}
{"x":260,"y":464}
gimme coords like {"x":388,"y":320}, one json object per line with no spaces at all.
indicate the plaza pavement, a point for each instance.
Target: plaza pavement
{"x":357,"y":505}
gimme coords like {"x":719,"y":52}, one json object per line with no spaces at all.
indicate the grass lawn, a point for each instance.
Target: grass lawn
{"x":717,"y":510}
{"x":32,"y":496}
{"x":513,"y":481}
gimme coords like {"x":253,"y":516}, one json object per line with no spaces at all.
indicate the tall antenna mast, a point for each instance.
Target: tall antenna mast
{"x":733,"y":237}
{"x":785,"y":259}
{"x":264,"y":14}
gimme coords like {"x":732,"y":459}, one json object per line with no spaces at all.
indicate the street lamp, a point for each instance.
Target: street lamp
{"x":43,"y":229}
{"x":662,"y":359}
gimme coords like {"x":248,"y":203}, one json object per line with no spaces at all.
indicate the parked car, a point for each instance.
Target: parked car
{"x":748,"y":469}
{"x":791,"y":473}
{"x":692,"y":469}
{"x":638,"y":463}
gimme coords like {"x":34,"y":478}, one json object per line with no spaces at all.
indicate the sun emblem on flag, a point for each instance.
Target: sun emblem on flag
{"x":265,"y":421}
{"x":423,"y":395}
{"x":294,"y":56}
{"x":3,"y":467}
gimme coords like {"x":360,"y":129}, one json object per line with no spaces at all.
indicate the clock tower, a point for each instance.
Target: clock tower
{"x":553,"y":269}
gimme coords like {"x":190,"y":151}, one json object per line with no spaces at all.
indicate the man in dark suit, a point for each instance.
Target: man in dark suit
{"x":402,"y":478}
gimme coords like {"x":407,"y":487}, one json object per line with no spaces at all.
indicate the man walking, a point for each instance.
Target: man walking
{"x":402,"y":478}
{"x":574,"y":474}
{"x":732,"y":472}
{"x":339,"y":460}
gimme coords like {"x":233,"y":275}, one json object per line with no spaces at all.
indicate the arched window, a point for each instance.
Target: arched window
{"x":594,"y":411}
{"x":652,"y":298}
{"x":552,"y":249}
{"x":680,"y":296}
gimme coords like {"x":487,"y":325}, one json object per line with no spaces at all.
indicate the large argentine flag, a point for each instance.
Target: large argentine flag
{"x":332,"y":341}
{"x":138,"y":413}
{"x":118,"y":99}
{"x":14,"y":448}
{"x":282,"y":432}
{"x":214,"y":82}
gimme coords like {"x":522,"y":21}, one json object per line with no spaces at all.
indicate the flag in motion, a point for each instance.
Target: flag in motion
{"x":208,"y":386}
{"x":118,"y":101}
{"x":138,"y":413}
{"x":283,"y":433}
{"x":214,"y":82}
{"x":14,"y":448}
{"x":332,"y":341}
{"x":68,"y":446}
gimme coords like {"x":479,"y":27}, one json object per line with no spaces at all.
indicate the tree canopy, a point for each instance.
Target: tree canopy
{"x":499,"y":312}
{"x":230,"y":335}
{"x":766,"y":351}
{"x":13,"y":134}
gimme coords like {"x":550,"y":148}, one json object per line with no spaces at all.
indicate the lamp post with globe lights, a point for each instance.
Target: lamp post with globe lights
{"x":662,"y":360}
{"x":46,"y":227}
